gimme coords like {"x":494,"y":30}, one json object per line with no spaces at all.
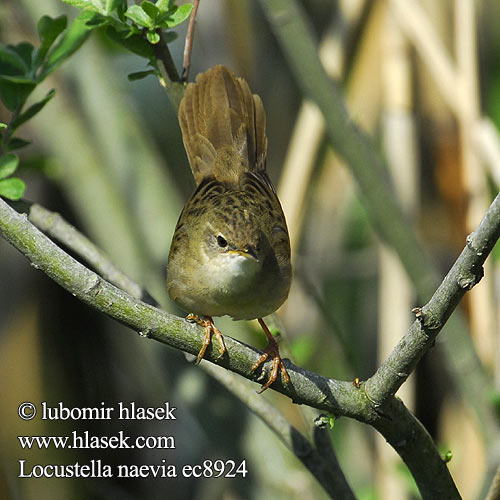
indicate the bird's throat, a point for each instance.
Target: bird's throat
{"x":232,"y":272}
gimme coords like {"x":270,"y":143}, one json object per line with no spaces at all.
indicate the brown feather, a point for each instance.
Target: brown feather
{"x":223,"y":127}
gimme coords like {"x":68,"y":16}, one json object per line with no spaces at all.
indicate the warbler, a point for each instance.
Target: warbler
{"x":230,"y":252}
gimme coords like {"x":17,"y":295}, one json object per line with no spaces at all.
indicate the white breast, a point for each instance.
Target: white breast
{"x":231,"y":272}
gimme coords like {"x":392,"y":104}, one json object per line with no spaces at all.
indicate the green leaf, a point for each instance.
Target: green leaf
{"x":17,"y":143}
{"x":136,"y":14}
{"x":72,"y":40}
{"x":48,"y":30}
{"x":8,"y":165}
{"x":12,"y":188}
{"x":139,"y":75}
{"x":18,"y":79}
{"x":164,"y":5}
{"x":134,"y":43}
{"x":112,"y":5}
{"x":3,"y":125}
{"x":120,"y":10}
{"x":323,"y":420}
{"x":99,"y":20}
{"x":25,"y":52}
{"x":90,"y":5}
{"x":150,"y":9}
{"x":153,"y":37}
{"x":80,"y":4}
{"x":331,"y":420}
{"x":32,"y":110}
{"x":123,"y":28}
{"x":14,"y":90}
{"x":98,"y":6}
{"x":11,"y":63}
{"x":175,"y":16}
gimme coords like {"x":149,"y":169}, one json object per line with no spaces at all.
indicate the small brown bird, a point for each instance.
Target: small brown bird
{"x":230,"y":253}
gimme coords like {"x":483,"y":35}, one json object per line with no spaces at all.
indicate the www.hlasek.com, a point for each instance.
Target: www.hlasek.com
{"x":86,"y":440}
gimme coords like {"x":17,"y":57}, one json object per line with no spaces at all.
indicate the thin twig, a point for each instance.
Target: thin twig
{"x":189,"y":42}
{"x":169,"y":76}
{"x":162,"y":53}
{"x":54,"y":225}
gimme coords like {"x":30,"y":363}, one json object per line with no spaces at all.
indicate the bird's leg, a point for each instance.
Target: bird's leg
{"x":208,"y":323}
{"x":272,"y":348}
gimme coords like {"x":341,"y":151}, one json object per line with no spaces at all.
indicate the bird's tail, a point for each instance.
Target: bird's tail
{"x":223,"y":127}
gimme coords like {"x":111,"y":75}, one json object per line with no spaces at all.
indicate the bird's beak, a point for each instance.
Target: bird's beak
{"x":248,"y":252}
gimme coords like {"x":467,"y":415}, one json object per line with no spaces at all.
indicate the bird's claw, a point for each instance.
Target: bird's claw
{"x":273,"y":349}
{"x":210,"y":329}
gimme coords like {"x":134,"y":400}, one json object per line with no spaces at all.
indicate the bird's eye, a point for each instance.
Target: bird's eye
{"x":222,"y":242}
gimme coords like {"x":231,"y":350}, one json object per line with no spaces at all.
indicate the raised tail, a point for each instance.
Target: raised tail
{"x":223,"y":127}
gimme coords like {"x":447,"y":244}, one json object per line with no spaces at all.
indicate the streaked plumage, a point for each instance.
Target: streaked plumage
{"x":230,"y":254}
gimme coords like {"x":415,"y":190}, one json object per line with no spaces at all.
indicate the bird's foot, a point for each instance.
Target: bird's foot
{"x":272,"y":348}
{"x":210,"y":329}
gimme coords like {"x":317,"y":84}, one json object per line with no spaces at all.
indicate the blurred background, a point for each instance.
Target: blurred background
{"x":423,"y":79}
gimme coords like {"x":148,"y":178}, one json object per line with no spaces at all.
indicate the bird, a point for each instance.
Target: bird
{"x":230,"y":252}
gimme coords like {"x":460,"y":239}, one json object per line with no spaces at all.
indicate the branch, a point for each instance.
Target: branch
{"x":409,"y":438}
{"x":307,"y":387}
{"x":371,"y":403}
{"x":368,"y":403}
{"x":54,"y":225}
{"x":465,"y":273}
{"x":189,"y":42}
{"x":321,"y":462}
{"x":169,"y":76}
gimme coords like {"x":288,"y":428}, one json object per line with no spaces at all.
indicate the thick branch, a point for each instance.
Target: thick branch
{"x":306,"y":387}
{"x":321,"y":462}
{"x":369,"y":404}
